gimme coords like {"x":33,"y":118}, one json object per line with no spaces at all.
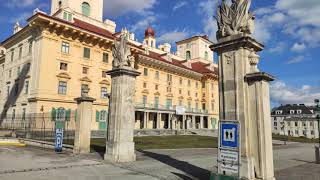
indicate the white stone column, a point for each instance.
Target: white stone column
{"x":184,"y":119}
{"x":194,"y":122}
{"x":83,"y":125}
{"x":120,"y":145}
{"x":201,"y":122}
{"x":170,"y":121}
{"x":145,"y":120}
{"x":158,"y":120}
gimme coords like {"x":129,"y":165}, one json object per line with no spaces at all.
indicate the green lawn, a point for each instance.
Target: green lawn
{"x":294,"y":139}
{"x":165,"y":142}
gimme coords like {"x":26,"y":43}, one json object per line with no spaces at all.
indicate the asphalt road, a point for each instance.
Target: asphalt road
{"x":294,"y":162}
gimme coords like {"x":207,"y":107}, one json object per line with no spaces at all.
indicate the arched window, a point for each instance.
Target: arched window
{"x":206,"y":55}
{"x":188,"y":55}
{"x":86,"y":9}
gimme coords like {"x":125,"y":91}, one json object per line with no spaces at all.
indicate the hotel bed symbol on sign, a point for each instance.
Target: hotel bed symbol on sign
{"x":229,"y":135}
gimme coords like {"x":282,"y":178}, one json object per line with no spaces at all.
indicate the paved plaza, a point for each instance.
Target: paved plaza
{"x":293,"y":161}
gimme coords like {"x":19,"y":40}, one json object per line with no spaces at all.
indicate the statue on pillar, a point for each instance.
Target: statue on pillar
{"x":235,"y":19}
{"x":121,"y":54}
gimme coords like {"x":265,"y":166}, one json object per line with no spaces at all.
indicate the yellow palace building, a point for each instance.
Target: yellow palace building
{"x":46,"y":64}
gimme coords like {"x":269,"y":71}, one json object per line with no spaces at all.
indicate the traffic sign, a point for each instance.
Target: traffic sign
{"x":229,"y":136}
{"x":59,"y":140}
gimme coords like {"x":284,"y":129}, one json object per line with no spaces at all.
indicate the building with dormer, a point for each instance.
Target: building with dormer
{"x":295,"y":120}
{"x":50,"y":61}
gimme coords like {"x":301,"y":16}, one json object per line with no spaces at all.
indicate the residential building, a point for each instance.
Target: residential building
{"x":294,"y":120}
{"x":49,"y":63}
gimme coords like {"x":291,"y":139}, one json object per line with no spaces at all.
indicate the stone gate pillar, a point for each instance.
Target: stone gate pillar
{"x":120,"y":145}
{"x":83,"y":125}
{"x":244,"y":90}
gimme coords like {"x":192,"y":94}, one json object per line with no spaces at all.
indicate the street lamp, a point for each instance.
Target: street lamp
{"x":317,"y":112}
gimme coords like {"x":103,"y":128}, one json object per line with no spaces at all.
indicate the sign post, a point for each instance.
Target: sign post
{"x":229,"y":151}
{"x":59,"y":140}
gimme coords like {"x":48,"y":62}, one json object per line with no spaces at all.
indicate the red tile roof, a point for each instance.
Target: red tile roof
{"x":92,"y":28}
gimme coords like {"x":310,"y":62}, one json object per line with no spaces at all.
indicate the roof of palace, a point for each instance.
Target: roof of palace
{"x":198,"y":67}
{"x":286,"y":109}
{"x":300,"y":119}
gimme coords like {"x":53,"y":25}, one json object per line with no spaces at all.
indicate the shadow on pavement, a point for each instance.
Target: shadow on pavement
{"x":194,"y":171}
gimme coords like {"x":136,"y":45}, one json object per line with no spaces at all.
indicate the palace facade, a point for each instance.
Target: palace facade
{"x":46,"y":65}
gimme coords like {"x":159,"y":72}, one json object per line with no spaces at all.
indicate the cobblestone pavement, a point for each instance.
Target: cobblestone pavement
{"x":292,"y":162}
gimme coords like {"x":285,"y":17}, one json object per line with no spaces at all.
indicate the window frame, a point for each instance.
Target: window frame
{"x":86,"y":53}
{"x":65,"y":47}
{"x":62,"y":87}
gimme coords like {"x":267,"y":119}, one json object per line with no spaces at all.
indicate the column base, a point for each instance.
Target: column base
{"x":120,"y":152}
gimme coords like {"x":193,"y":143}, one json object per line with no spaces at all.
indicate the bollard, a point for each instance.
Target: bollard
{"x":317,"y":154}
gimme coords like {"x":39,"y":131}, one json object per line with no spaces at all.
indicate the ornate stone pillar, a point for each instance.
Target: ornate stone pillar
{"x":120,"y":145}
{"x":184,"y":119}
{"x":170,"y":121}
{"x":83,"y":125}
{"x":145,"y":119}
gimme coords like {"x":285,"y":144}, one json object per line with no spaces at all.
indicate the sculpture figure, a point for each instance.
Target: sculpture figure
{"x":235,"y":19}
{"x":121,"y":54}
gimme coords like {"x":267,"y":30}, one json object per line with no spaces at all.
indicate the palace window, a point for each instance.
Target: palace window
{"x":157,"y":75}
{"x":26,"y":87}
{"x":203,"y":84}
{"x":180,"y":91}
{"x":156,"y":87}
{"x":85,"y":70}
{"x":13,"y":114}
{"x":12,"y":55}
{"x":189,"y":105}
{"x":212,"y":106}
{"x":203,"y":106}
{"x":61,"y":114}
{"x":188,"y":55}
{"x":10,"y":73}
{"x":62,"y":89}
{"x":20,"y":52}
{"x":144,"y":85}
{"x":30,"y":47}
{"x":180,"y":103}
{"x":105,"y":57}
{"x":206,"y":55}
{"x":296,"y":124}
{"x":296,"y":132}
{"x":169,"y":78}
{"x":189,"y":83}
{"x":65,"y":47}
{"x":23,"y":114}
{"x":156,"y":102}
{"x":104,"y":93}
{"x":169,"y":89}
{"x":67,"y":16}
{"x":145,"y":72}
{"x":197,"y":84}
{"x":86,"y":9}
{"x":169,"y":103}
{"x":86,"y":53}
{"x":197,"y":106}
{"x":64,"y":66}
{"x":18,"y":71}
{"x":144,"y":100}
{"x":181,"y":81}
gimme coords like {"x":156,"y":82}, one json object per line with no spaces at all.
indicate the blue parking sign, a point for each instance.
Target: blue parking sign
{"x":59,"y":140}
{"x":229,"y":136}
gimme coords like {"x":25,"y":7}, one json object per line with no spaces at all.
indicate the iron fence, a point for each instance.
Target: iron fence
{"x":40,"y":126}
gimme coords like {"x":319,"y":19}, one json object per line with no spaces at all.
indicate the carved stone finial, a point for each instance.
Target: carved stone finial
{"x":234,"y":19}
{"x":121,"y":54}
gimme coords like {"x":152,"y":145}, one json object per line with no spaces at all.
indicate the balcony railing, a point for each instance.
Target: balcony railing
{"x":165,"y":107}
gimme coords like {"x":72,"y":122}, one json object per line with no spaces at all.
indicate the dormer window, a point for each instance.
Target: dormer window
{"x":278,"y":112}
{"x":67,"y":16}
{"x":291,"y":111}
{"x":86,"y":9}
{"x":299,"y":111}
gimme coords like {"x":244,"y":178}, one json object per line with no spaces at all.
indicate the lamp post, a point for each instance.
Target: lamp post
{"x":317,"y":112}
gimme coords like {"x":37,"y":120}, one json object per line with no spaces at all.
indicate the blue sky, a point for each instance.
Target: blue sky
{"x":289,"y":29}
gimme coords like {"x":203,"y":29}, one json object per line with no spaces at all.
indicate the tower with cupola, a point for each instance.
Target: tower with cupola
{"x":149,"y":38}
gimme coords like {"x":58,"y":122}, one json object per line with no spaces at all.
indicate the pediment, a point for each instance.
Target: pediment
{"x":145,"y":92}
{"x":170,"y":95}
{"x":105,"y":82}
{"x":157,"y":94}
{"x":85,"y":79}
{"x":64,"y":75}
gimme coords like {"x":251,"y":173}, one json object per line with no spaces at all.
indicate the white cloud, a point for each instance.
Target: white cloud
{"x":173,"y":36}
{"x":276,"y":18}
{"x":20,"y":17}
{"x":296,"y":60}
{"x":115,"y":8}
{"x":281,"y":93}
{"x":179,"y":5}
{"x":297,"y":47}
{"x":143,"y":23}
{"x":262,"y":31}
{"x":280,"y":47}
{"x":208,"y":9}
